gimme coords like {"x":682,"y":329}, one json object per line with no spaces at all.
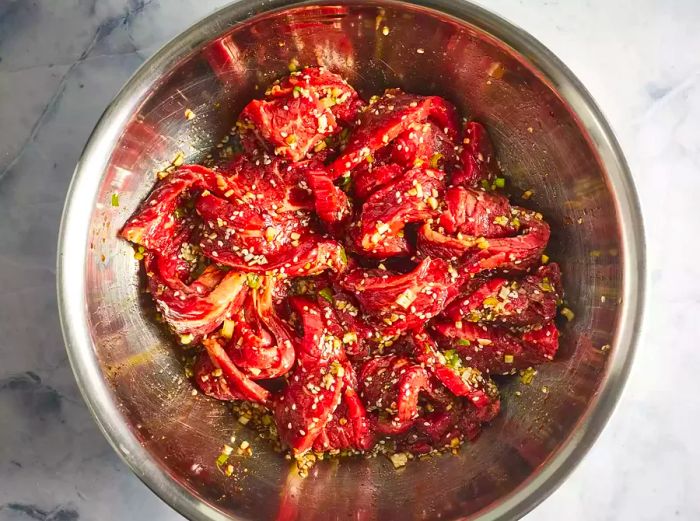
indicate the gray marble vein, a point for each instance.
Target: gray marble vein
{"x":61,"y":62}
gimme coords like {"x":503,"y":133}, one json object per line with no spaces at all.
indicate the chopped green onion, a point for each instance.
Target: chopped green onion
{"x":500,"y":182}
{"x":490,"y":302}
{"x":253,"y":280}
{"x":227,"y":328}
{"x":327,"y":294}
{"x":345,"y":183}
{"x":435,"y":159}
{"x":399,"y":459}
{"x":527,"y":375}
{"x":474,"y":316}
{"x":115,"y":199}
{"x":223,"y":458}
{"x":546,"y":286}
{"x":482,"y":243}
{"x":463,"y":342}
{"x":179,"y":158}
{"x":567,"y":313}
{"x":452,"y":359}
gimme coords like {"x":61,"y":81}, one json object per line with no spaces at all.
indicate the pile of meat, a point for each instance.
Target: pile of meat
{"x":353,"y":269}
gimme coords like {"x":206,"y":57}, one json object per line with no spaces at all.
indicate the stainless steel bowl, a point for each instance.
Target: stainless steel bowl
{"x":551,"y":138}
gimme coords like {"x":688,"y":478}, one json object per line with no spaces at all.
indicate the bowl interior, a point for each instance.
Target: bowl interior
{"x":541,"y":145}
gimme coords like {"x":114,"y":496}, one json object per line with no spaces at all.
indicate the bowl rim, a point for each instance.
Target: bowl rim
{"x":73,"y":240}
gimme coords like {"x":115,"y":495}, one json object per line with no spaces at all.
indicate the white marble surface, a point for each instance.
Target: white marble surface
{"x":61,"y":61}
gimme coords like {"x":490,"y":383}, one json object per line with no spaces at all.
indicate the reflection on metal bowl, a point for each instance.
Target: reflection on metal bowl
{"x":550,"y":137}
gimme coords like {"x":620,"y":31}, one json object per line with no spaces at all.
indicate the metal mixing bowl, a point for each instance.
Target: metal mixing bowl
{"x":550,"y":137}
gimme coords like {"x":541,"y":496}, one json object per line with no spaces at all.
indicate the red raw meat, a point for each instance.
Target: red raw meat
{"x":340,"y":309}
{"x":292,"y":131}
{"x":178,"y":258}
{"x":460,"y":379}
{"x":306,"y":405}
{"x":211,"y":382}
{"x":497,"y":350}
{"x":238,"y":382}
{"x":505,"y":253}
{"x":390,"y":386}
{"x":444,"y":115}
{"x":423,"y":142}
{"x":348,"y":429}
{"x":478,"y":159}
{"x":460,"y":421}
{"x":332,"y":89}
{"x":402,"y":301}
{"x":433,"y":243}
{"x":261,"y":343}
{"x":270,"y":183}
{"x":477,"y":213}
{"x":246,"y":230}
{"x":469,"y":217}
{"x":190,"y":307}
{"x":388,"y":118}
{"x":319,"y":343}
{"x":237,"y":236}
{"x":320,"y":350}
{"x":529,"y":302}
{"x":413,"y":198}
{"x":348,"y":323}
{"x":332,"y":205}
{"x":149,"y":226}
{"x":261,"y":223}
{"x":300,"y":112}
{"x":515,"y":253}
{"x":367,"y":180}
{"x":199,"y":308}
